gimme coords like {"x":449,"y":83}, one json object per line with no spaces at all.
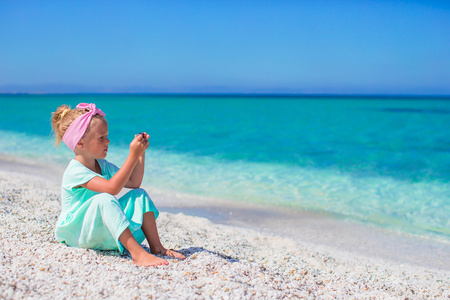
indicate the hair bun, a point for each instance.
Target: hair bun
{"x":64,"y":113}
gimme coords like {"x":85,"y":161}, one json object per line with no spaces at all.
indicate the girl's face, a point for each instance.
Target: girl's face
{"x":96,"y":141}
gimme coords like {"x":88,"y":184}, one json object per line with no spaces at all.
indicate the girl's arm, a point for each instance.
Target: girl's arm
{"x":137,"y":175}
{"x":120,"y":179}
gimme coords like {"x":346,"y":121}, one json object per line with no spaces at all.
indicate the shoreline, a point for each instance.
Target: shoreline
{"x":317,"y":229}
{"x":229,"y":258}
{"x":323,"y":232}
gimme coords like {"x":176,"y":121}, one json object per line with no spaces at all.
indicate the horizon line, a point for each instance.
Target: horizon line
{"x":253,"y":94}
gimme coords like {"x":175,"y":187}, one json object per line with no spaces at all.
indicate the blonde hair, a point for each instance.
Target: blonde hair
{"x":63,"y":117}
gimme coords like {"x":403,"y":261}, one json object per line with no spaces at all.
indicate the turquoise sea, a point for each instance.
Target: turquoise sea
{"x":378,"y":161}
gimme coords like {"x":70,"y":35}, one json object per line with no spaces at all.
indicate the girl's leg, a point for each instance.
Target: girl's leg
{"x":151,"y":233}
{"x":138,"y":254}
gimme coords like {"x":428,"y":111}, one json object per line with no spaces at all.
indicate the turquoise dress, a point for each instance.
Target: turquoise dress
{"x":96,"y":220}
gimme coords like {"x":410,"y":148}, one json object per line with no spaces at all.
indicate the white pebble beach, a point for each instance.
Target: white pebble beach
{"x":223,"y":261}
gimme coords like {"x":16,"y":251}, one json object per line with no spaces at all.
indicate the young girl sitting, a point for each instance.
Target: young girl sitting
{"x":91,"y":217}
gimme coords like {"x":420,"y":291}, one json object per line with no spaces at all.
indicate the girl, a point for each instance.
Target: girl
{"x":91,"y":217}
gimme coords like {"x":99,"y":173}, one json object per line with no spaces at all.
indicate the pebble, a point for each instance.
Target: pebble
{"x":222,"y":262}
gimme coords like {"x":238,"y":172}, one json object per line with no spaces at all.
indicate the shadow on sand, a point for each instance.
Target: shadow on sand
{"x":186,"y":252}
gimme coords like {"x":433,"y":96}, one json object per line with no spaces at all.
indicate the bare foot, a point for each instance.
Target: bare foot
{"x":174,"y":254}
{"x":148,"y":260}
{"x":169,"y":252}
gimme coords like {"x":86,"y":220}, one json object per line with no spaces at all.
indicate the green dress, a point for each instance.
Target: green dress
{"x":96,"y":220}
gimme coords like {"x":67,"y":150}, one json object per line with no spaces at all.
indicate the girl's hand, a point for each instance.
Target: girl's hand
{"x":145,"y":137}
{"x":139,"y":144}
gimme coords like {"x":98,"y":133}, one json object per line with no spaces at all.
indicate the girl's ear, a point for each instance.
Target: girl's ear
{"x":80,"y":144}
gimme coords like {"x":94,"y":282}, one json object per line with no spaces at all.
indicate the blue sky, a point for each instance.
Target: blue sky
{"x":304,"y":47}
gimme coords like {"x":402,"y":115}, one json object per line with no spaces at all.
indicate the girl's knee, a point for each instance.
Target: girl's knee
{"x":136,"y":197}
{"x":137,"y":193}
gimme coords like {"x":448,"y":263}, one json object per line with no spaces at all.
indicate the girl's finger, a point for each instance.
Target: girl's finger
{"x":144,"y":135}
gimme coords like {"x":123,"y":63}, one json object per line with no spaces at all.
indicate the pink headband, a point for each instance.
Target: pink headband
{"x":79,"y":126}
